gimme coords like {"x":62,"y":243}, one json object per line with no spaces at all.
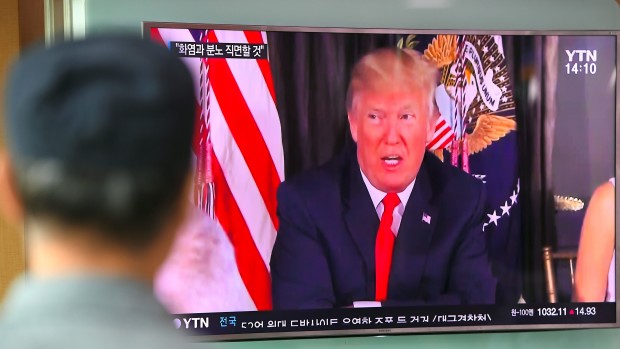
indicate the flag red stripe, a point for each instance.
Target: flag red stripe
{"x":245,"y":131}
{"x":155,"y":36}
{"x":251,"y":267}
{"x":446,"y":143}
{"x":255,"y":37}
{"x":438,"y":138}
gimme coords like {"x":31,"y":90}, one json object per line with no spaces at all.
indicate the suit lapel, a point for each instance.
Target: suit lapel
{"x":361,"y":219}
{"x":414,"y":238}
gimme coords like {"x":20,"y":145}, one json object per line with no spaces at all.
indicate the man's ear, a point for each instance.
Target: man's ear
{"x":11,"y":204}
{"x":353,"y":126}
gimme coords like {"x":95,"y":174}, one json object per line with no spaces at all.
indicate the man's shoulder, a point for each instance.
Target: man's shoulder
{"x":114,"y":312}
{"x":450,"y":180}
{"x":319,"y":181}
{"x":74,"y":335}
{"x":87,"y":329}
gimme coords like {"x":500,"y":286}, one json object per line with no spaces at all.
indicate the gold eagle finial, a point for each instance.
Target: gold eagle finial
{"x":567,"y":203}
{"x":489,"y":128}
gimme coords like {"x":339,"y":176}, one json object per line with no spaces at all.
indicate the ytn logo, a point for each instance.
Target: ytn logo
{"x":581,"y":55}
{"x":194,"y":323}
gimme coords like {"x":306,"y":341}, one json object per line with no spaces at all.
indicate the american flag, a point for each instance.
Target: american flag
{"x":238,"y":151}
{"x":426,"y":218}
{"x":443,"y":135}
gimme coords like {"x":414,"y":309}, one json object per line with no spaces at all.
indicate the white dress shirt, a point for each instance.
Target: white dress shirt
{"x":377,"y":196}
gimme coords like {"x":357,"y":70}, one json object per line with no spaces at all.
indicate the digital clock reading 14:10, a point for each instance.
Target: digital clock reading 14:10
{"x":588,"y":68}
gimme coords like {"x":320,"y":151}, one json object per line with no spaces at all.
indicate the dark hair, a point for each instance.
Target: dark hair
{"x":127,"y":206}
{"x":100,"y":134}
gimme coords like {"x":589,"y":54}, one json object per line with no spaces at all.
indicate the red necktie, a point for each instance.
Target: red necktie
{"x":384,"y":246}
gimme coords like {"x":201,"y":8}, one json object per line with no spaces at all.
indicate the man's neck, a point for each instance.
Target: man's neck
{"x":377,"y":195}
{"x":57,"y":254}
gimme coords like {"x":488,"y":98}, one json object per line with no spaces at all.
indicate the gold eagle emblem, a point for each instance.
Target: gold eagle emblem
{"x":488,"y":129}
{"x":442,"y":50}
{"x":482,"y":125}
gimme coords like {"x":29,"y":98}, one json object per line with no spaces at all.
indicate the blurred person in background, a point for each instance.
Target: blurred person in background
{"x":200,"y":274}
{"x":98,"y":167}
{"x":595,"y":274}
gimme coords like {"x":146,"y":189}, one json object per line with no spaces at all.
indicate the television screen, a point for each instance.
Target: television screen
{"x":364,"y":182}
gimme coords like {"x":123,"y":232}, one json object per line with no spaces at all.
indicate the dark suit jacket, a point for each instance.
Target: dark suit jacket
{"x":324,"y":256}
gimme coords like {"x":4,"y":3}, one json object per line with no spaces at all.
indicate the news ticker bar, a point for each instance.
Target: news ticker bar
{"x":213,"y":324}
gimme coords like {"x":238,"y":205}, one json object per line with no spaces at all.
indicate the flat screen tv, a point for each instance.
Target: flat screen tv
{"x":388,"y":181}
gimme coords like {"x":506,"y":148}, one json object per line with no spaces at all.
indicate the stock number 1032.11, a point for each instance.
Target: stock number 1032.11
{"x":566,"y":311}
{"x":581,"y":68}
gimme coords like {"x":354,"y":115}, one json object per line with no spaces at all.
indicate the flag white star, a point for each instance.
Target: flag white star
{"x":485,"y":49}
{"x":493,"y":218}
{"x":491,"y":59}
{"x":504,"y":89}
{"x":481,"y":177}
{"x":504,"y":99}
{"x":505,"y":209}
{"x":478,"y":42}
{"x":501,"y":78}
{"x":513,"y":198}
{"x":497,"y":69}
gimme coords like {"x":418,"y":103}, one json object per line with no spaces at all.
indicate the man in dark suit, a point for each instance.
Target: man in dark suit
{"x":386,"y":223}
